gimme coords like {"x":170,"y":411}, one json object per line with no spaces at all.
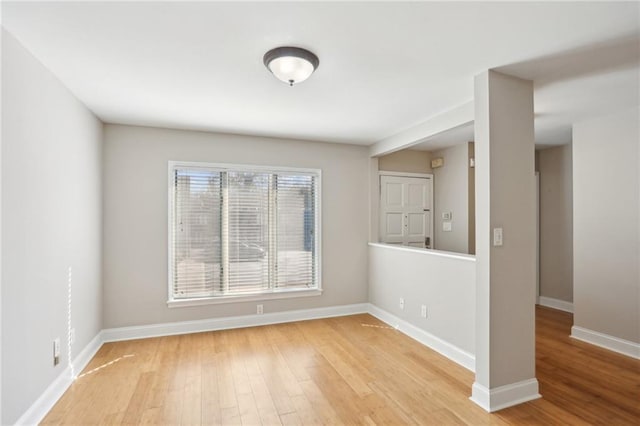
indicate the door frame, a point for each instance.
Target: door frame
{"x":537,"y":238}
{"x":409,"y":175}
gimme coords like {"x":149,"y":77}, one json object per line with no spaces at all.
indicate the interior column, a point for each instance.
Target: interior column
{"x":505,"y":242}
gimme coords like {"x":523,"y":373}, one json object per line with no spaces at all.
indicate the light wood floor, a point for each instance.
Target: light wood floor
{"x":348,"y":370}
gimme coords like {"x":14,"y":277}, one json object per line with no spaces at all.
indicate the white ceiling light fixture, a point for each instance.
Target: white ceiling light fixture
{"x":291,"y":65}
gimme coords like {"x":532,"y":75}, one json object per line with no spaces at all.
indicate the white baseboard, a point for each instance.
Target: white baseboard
{"x":443,"y":347}
{"x":56,"y":389}
{"x":86,"y":355}
{"x":504,"y":396}
{"x":624,"y":347}
{"x":226,"y":323}
{"x":561,"y":305}
{"x":52,"y":394}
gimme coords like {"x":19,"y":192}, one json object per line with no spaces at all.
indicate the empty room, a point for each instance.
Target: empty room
{"x":337,"y":213}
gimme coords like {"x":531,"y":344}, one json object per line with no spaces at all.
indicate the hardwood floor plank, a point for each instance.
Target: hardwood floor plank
{"x":192,"y":401}
{"x":133,"y":412}
{"x":338,"y":371}
{"x":321,"y":405}
{"x":262,"y":397}
{"x":226,"y":384}
{"x":211,"y":413}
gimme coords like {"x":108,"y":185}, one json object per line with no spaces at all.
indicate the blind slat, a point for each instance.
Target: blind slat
{"x":242,"y":232}
{"x":195,"y":232}
{"x":295,"y":230}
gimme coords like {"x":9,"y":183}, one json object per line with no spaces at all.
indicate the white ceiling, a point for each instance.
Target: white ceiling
{"x":384,"y":67}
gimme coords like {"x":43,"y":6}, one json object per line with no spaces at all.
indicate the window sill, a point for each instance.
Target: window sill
{"x":180,"y":303}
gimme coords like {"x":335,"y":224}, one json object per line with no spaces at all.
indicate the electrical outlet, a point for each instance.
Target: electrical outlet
{"x":402,"y":303}
{"x":56,"y":351}
{"x":423,"y":311}
{"x":72,"y":336}
{"x":259,"y":309}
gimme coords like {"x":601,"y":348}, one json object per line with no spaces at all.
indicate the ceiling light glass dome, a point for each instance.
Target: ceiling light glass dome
{"x":291,"y":65}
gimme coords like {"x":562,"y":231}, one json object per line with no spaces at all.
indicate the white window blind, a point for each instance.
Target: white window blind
{"x":196,"y":233}
{"x":295,"y":199}
{"x":247,"y":231}
{"x":242,"y":231}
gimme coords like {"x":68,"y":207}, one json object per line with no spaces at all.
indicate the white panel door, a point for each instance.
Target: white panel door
{"x":392,"y":220}
{"x":405,"y":210}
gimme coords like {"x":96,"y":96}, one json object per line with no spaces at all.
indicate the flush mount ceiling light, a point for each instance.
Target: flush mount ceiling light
{"x":291,"y":64}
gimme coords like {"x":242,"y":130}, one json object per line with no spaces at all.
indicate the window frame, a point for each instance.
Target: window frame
{"x":272,"y":293}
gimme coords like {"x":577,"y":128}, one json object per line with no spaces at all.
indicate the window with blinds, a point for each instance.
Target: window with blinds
{"x":242,"y":231}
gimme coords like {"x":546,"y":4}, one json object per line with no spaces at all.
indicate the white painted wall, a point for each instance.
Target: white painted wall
{"x":505,"y":198}
{"x":451,"y":194}
{"x":51,"y":214}
{"x":606,"y":222}
{"x":135,"y":218}
{"x":1,"y":37}
{"x":445,"y":283}
{"x":556,"y":223}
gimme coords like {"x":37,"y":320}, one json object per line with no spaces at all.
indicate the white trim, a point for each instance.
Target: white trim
{"x":1,"y":244}
{"x":443,"y":347}
{"x":316,"y":173}
{"x":176,"y":303}
{"x":56,"y":389}
{"x":427,"y":180}
{"x":561,"y":305}
{"x":621,"y":346}
{"x":405,"y":174}
{"x":170,"y":202}
{"x":504,"y":396}
{"x":86,"y":355}
{"x":429,"y":252}
{"x":243,"y":167}
{"x":52,"y":394}
{"x":39,"y":409}
{"x":538,"y":238}
{"x":226,"y":323}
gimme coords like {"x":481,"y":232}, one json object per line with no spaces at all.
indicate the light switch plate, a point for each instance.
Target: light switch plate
{"x":446,"y":226}
{"x":497,"y":237}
